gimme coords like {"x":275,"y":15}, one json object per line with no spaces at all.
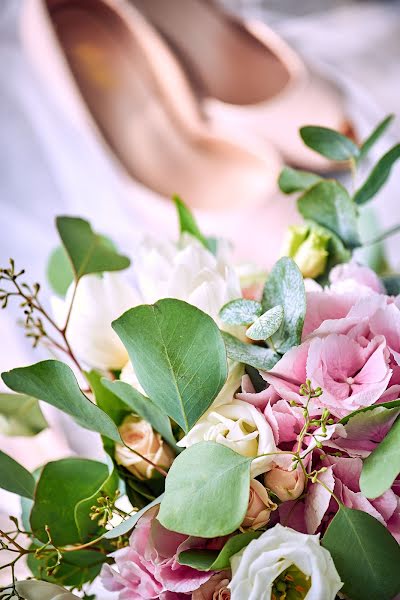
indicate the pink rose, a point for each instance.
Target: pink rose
{"x":259,"y":508}
{"x":286,"y":485}
{"x":216,"y":588}
{"x":148,"y":568}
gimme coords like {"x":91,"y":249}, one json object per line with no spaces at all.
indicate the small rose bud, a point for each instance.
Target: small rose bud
{"x":216,"y":588}
{"x":309,"y":249}
{"x":286,"y":485}
{"x":259,"y":508}
{"x":140,"y":436}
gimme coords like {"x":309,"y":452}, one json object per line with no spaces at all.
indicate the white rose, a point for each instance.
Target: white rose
{"x":98,"y":301}
{"x":186,"y":271}
{"x":239,"y":426}
{"x":41,"y":590}
{"x":280,"y":560}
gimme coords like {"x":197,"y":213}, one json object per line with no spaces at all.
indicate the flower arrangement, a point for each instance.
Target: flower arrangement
{"x":251,"y":433}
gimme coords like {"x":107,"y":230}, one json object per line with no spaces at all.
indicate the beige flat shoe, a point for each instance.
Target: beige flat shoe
{"x":134,"y":92}
{"x":248,"y":76}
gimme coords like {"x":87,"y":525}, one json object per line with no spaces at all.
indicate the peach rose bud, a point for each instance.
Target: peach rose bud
{"x":259,"y":508}
{"x":216,"y":588}
{"x":287,"y":485}
{"x":141,"y":437}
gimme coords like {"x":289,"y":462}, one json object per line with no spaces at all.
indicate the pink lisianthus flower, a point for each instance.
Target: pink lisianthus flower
{"x":148,"y":568}
{"x":342,"y":476}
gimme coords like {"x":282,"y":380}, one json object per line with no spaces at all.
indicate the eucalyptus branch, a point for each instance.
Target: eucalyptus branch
{"x":380,"y":238}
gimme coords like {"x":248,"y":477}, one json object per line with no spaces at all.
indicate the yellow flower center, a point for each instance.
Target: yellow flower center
{"x":291,"y":584}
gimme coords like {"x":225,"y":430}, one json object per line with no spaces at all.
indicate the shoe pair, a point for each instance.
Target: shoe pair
{"x":188,"y":99}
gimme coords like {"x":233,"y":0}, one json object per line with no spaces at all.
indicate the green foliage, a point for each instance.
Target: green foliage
{"x":285,"y":287}
{"x":14,"y":477}
{"x":88,"y":252}
{"x":378,"y":176}
{"x":240,"y":312}
{"x":130,"y":522}
{"x":76,"y":568}
{"x":374,"y":137}
{"x":143,"y":407}
{"x":20,"y":415}
{"x":388,"y":405}
{"x":54,"y":382}
{"x":214,"y":560}
{"x":188,"y":224}
{"x":266,"y":325}
{"x":106,"y":399}
{"x":64,"y":487}
{"x":179,"y":357}
{"x":382,"y":466}
{"x":329,"y":143}
{"x":293,"y":180}
{"x":59,"y":271}
{"x":206,"y":491}
{"x":365,"y":554}
{"x":329,"y":204}
{"x":249,"y":354}
{"x":392,"y":284}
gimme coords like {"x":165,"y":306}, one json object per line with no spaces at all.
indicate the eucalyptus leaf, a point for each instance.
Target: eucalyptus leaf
{"x":365,"y":554}
{"x":178,"y":354}
{"x":388,"y":405}
{"x":214,"y":560}
{"x":76,"y":568}
{"x":392,"y":284}
{"x":293,"y":180}
{"x":188,"y":224}
{"x":20,"y":415}
{"x":54,"y":382}
{"x":15,"y":478}
{"x":382,"y":466}
{"x":285,"y":287}
{"x":86,"y":526}
{"x":143,"y":407}
{"x":258,"y":357}
{"x":240,"y":312}
{"x":329,"y":204}
{"x":131,"y":521}
{"x":106,"y":399}
{"x":88,"y":251}
{"x":206,"y":491}
{"x":41,"y":590}
{"x":329,"y":143}
{"x":59,"y":271}
{"x":266,"y":325}
{"x":61,"y":486}
{"x":378,"y":176}
{"x":374,"y":137}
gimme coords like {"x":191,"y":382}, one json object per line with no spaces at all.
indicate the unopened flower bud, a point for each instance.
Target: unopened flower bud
{"x":259,"y":508}
{"x":309,"y":249}
{"x":286,"y":485}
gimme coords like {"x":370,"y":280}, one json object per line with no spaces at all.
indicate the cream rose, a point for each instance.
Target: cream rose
{"x":140,"y":436}
{"x":98,"y":301}
{"x":286,"y":485}
{"x":259,"y":508}
{"x":284,"y":559}
{"x":241,"y":427}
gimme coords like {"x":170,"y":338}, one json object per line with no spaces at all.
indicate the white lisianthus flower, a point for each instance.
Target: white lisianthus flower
{"x":98,"y":301}
{"x":241,"y":427}
{"x":283,"y":559}
{"x":186,"y":271}
{"x":42,"y":590}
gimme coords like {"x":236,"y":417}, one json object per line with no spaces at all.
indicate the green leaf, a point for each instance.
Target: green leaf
{"x":178,"y":354}
{"x":378,"y":176}
{"x":267,"y":324}
{"x":130,"y":522}
{"x":374,"y":137}
{"x":15,"y":478}
{"x":388,"y":405}
{"x":59,"y":271}
{"x":285,"y":287}
{"x":54,"y":382}
{"x":20,"y":415}
{"x":382,"y":466}
{"x":214,"y":560}
{"x":88,"y":251}
{"x":76,"y":568}
{"x":240,"y":312}
{"x":329,"y":204}
{"x":329,"y":143}
{"x":106,"y":399}
{"x":293,"y":180}
{"x":206,"y":491}
{"x":365,"y":554}
{"x":258,"y":357}
{"x":188,"y":224}
{"x":88,"y":528}
{"x":392,"y":284}
{"x":61,"y":486}
{"x":143,"y":407}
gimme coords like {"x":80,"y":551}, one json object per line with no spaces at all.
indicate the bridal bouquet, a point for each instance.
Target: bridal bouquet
{"x":250,"y":427}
